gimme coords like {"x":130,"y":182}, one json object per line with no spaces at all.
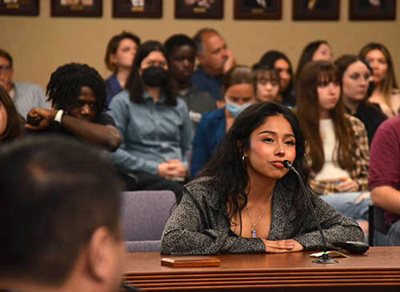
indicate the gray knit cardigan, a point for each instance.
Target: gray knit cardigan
{"x":200,"y":225}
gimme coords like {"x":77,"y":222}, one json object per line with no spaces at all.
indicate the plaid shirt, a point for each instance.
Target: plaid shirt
{"x":359,"y":171}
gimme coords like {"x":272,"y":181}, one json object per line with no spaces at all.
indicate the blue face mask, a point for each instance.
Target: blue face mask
{"x":235,"y":109}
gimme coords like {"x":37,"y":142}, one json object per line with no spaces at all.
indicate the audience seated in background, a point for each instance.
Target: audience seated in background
{"x":246,"y":201}
{"x":77,"y":94}
{"x":337,"y":149}
{"x":386,"y":93}
{"x":279,"y":61}
{"x":356,"y":79}
{"x":267,"y":83}
{"x":319,"y":50}
{"x":11,"y":122}
{"x":214,"y":59}
{"x":155,"y":125}
{"x":239,"y":93}
{"x":182,"y":52}
{"x":24,"y":95}
{"x":384,"y":177}
{"x":121,"y":50}
{"x":60,"y":228}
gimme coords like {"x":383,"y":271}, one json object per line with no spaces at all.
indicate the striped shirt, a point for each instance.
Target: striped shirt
{"x":27,"y":96}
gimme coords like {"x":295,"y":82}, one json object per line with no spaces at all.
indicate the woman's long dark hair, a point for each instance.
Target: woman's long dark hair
{"x":134,"y":83}
{"x":14,"y":120}
{"x":344,"y":62}
{"x":269,"y":59}
{"x":313,"y":74}
{"x":307,"y":55}
{"x":230,"y":172}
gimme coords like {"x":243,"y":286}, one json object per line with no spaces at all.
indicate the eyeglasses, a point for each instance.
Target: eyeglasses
{"x":5,"y":68}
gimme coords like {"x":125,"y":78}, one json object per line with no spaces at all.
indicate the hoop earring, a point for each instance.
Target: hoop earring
{"x":244,"y":158}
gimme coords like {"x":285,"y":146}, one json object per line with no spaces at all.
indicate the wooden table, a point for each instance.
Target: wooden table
{"x":380,"y":266}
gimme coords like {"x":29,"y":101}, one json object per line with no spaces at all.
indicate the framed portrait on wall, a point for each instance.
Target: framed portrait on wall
{"x":257,"y":9}
{"x":372,"y":9}
{"x":203,"y":9}
{"x":315,"y":9}
{"x":137,"y":8}
{"x":18,"y":7}
{"x":77,"y":8}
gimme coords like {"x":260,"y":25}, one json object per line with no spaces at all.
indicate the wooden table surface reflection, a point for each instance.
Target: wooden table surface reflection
{"x":380,"y":266}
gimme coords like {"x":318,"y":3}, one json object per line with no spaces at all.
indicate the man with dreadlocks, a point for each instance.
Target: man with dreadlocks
{"x":77,"y":94}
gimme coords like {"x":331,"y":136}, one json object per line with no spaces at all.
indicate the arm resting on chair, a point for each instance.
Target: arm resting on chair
{"x":387,"y":198}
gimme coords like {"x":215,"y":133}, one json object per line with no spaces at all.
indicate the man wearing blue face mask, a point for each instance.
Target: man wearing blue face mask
{"x":239,"y":93}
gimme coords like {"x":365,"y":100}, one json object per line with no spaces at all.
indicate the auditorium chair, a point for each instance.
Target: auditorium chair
{"x":377,"y":224}
{"x":144,"y":214}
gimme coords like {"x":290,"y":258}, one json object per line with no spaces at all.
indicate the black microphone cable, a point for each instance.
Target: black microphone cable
{"x":325,"y":258}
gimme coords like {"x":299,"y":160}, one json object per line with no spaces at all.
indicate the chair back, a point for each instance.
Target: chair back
{"x":144,"y":214}
{"x":376,"y":223}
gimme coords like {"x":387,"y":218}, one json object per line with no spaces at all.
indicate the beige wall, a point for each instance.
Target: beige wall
{"x":40,"y":44}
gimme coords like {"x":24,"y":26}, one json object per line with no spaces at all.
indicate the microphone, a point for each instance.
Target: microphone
{"x":325,"y":258}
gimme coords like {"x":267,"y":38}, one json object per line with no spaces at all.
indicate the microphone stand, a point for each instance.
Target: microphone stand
{"x":325,"y":258}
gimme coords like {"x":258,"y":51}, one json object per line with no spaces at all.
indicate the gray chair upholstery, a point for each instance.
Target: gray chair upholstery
{"x":144,"y":214}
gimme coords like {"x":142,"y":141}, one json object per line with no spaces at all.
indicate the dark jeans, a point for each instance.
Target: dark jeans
{"x":139,"y":181}
{"x":391,"y":238}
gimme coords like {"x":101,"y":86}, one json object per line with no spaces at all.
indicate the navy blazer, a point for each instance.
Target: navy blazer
{"x":209,"y":134}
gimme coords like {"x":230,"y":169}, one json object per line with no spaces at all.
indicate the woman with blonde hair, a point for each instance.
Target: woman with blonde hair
{"x":386,"y":93}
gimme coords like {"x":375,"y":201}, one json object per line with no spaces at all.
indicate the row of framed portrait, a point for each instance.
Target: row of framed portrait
{"x":209,"y":9}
